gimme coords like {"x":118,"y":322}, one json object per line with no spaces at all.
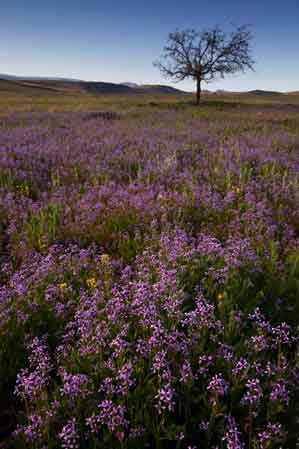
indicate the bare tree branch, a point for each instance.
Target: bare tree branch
{"x":206,"y":55}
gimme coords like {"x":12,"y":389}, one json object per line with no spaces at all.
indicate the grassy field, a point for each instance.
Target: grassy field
{"x":42,"y":96}
{"x":149,"y":267}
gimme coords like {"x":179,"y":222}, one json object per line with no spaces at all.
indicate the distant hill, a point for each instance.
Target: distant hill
{"x":257,"y":92}
{"x":130,"y":84}
{"x":59,"y":85}
{"x":104,"y":88}
{"x":159,"y":89}
{"x":264,"y":92}
{"x":37,"y":85}
{"x":4,"y":76}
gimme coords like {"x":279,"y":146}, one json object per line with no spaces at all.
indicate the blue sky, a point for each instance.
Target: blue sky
{"x":118,"y":40}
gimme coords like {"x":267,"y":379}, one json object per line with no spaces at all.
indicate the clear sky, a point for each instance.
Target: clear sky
{"x":117,"y":40}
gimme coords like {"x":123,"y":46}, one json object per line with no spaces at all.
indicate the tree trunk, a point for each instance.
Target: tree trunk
{"x":198,"y":90}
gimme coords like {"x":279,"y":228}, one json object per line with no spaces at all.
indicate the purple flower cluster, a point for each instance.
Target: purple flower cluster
{"x":165,"y":399}
{"x":149,"y":278}
{"x":272,"y":434}
{"x":233,"y":435}
{"x":218,"y":387}
{"x":113,"y":416}
{"x":254,"y":391}
{"x":68,"y":436}
{"x":74,"y":385}
{"x":29,"y":385}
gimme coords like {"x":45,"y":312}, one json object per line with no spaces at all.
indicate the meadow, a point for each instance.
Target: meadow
{"x":149,"y":269}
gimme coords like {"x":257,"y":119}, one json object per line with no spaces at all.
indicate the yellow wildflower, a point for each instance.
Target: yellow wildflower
{"x":105,"y":259}
{"x":91,"y":282}
{"x":220,"y":296}
{"x":63,"y":286}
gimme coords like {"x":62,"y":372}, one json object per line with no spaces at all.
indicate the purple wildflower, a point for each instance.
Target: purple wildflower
{"x":165,"y":399}
{"x":254,"y":391}
{"x":68,"y":436}
{"x":233,"y":435}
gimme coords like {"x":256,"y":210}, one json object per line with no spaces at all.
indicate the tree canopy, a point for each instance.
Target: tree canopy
{"x":206,"y":55}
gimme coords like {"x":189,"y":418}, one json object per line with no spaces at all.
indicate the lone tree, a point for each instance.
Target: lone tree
{"x":206,"y":55}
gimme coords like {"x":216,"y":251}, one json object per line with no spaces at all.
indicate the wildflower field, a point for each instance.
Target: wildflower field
{"x":149,"y":269}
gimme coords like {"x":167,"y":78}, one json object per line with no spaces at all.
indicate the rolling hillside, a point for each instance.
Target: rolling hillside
{"x":58,"y":86}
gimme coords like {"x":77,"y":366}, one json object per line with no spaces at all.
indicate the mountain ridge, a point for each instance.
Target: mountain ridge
{"x":68,"y":84}
{"x":72,"y":85}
